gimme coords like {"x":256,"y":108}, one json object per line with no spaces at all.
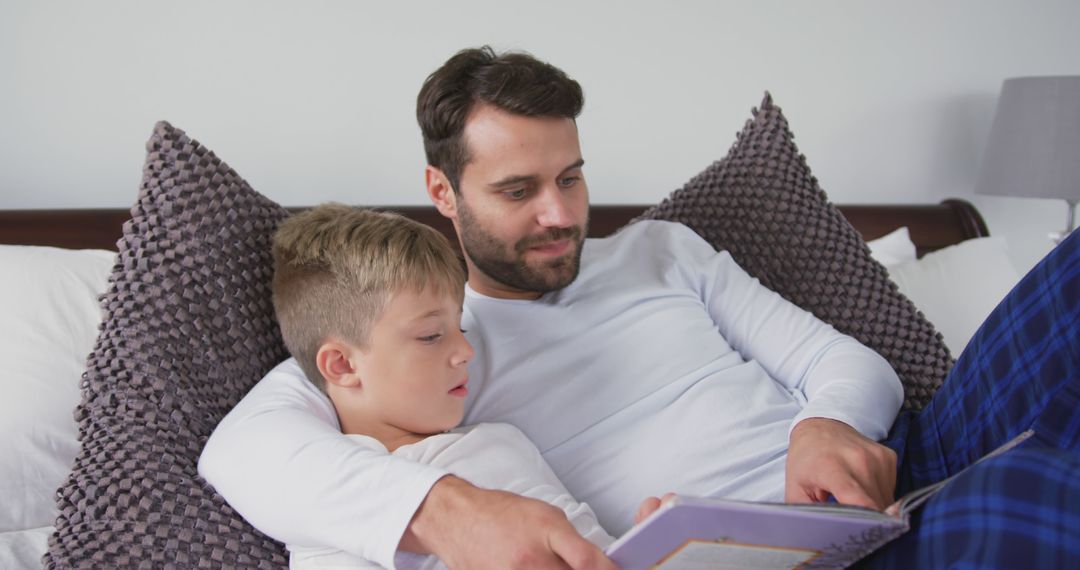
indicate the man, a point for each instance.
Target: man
{"x":638,"y":364}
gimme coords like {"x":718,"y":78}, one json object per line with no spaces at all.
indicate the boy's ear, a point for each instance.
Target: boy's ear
{"x":336,"y":364}
{"x":441,"y":192}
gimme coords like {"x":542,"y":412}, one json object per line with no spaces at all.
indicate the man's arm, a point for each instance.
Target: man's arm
{"x":280,"y":460}
{"x":468,"y":527}
{"x":851,"y":395}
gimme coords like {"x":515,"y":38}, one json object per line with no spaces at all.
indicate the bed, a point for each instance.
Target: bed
{"x":931,"y":226}
{"x":67,"y":256}
{"x":186,"y":328}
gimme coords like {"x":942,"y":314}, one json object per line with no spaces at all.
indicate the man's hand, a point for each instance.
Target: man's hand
{"x":469,"y":527}
{"x":829,"y":457}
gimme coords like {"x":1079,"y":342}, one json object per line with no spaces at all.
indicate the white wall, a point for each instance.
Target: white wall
{"x":313,"y":101}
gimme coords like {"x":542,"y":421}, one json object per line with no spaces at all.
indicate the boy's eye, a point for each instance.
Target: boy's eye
{"x":430,"y":338}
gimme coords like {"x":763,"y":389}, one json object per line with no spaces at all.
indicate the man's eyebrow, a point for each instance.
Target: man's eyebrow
{"x":512,"y":180}
{"x":516,"y":179}
{"x":576,"y":164}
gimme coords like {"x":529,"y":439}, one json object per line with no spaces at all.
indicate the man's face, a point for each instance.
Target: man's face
{"x":522,"y":206}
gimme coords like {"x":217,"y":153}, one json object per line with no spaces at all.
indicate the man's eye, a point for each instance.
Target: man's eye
{"x":568,"y":181}
{"x":430,"y":338}
{"x":515,"y":194}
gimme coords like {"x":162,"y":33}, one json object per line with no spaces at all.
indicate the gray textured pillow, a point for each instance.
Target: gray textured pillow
{"x":761,"y":204}
{"x":188,"y":330}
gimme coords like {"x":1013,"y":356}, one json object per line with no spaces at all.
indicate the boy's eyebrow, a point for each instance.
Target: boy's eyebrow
{"x":427,"y":315}
{"x":516,"y":179}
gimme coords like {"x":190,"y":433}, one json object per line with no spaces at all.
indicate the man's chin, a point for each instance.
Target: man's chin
{"x":556,"y":274}
{"x":530,"y":271}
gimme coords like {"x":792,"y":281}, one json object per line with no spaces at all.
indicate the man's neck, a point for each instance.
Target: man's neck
{"x":481,"y":283}
{"x":499,"y":291}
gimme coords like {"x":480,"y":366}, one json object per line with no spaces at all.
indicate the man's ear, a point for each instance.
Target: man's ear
{"x":336,"y":364}
{"x":441,"y":192}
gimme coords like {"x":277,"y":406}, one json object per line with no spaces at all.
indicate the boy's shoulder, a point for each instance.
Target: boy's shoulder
{"x":492,"y":429}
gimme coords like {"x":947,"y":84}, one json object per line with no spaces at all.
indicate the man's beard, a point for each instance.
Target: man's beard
{"x":511,"y":269}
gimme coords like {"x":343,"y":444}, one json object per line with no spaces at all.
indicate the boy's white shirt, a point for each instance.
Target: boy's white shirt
{"x":491,"y":456}
{"x":676,"y":371}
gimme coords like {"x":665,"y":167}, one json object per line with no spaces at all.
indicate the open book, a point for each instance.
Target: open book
{"x":694,"y":533}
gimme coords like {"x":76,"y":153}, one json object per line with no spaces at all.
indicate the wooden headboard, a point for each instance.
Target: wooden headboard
{"x":932,"y":226}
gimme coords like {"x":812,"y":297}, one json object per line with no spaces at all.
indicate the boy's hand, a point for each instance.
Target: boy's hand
{"x":650,"y":505}
{"x":829,"y":457}
{"x":469,"y":527}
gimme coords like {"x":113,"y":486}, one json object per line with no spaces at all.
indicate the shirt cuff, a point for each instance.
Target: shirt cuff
{"x":870,"y":412}
{"x":396,"y":521}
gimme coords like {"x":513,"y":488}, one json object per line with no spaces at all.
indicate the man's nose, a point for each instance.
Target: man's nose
{"x":554,"y":209}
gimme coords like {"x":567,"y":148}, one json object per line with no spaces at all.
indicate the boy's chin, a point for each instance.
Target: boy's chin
{"x":448,"y":426}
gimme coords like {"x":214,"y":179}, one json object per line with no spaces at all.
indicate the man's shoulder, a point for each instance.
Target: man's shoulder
{"x":646,"y":236}
{"x":649,"y":231}
{"x":645,"y":227}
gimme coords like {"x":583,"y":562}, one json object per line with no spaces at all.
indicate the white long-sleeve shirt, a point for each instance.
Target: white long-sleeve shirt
{"x":490,"y":456}
{"x":662,"y":367}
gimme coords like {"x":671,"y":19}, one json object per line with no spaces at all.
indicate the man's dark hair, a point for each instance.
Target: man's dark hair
{"x":515,"y":82}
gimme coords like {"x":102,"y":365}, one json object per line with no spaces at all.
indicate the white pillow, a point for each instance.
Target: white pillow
{"x":957,"y":287}
{"x":893,"y":248}
{"x":50,"y":316}
{"x":23,"y":549}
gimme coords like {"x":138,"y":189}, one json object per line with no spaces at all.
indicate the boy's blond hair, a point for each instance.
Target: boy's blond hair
{"x":336,"y":267}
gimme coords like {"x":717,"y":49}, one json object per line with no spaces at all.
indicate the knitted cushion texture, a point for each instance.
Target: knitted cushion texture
{"x":762,"y":205}
{"x":188,"y":329}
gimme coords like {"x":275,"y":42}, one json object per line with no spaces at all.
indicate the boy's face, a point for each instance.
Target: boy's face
{"x":413,"y":371}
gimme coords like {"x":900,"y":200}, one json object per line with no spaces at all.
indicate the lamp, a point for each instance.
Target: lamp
{"x":1034,"y":146}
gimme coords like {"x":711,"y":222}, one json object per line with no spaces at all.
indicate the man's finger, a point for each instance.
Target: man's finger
{"x":851,"y":493}
{"x":888,"y":473}
{"x":797,"y":494}
{"x":578,"y":553}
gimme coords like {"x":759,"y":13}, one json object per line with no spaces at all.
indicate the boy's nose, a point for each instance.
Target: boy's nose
{"x":464,"y":354}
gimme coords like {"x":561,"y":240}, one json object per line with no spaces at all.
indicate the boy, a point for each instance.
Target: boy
{"x":369,"y":306}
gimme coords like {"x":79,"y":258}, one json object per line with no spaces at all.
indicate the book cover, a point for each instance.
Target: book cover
{"x":698,"y":533}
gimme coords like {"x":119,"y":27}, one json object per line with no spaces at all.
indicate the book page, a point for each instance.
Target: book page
{"x":708,"y":555}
